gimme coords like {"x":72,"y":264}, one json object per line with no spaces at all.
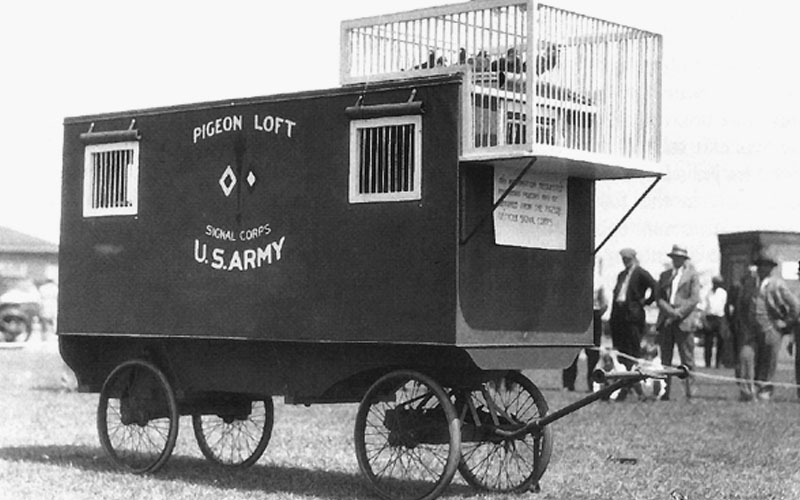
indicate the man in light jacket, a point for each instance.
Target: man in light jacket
{"x":768,"y":309}
{"x":678,"y":316}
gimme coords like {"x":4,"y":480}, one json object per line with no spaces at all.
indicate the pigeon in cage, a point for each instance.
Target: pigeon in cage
{"x":462,"y":55}
{"x":430,"y":63}
{"x":481,"y":61}
{"x":511,"y":62}
{"x":548,"y":59}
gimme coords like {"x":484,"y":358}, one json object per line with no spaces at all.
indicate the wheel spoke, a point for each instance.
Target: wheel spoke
{"x":504,"y":464}
{"x":133,"y":392}
{"x":233,"y":441}
{"x":405,"y":443}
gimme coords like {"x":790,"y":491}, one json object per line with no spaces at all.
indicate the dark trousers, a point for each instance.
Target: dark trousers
{"x":626,"y":336}
{"x":712,"y":333}
{"x":797,"y":357}
{"x":570,"y":373}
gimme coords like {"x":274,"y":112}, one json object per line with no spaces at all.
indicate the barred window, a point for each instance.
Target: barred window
{"x":385,"y":159}
{"x":110,"y":179}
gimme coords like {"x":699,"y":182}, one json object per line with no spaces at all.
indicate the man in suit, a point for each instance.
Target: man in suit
{"x":678,"y":316}
{"x":627,"y":320}
{"x":769,"y":309}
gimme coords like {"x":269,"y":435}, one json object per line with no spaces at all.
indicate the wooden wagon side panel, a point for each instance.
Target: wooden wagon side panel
{"x":244,"y":228}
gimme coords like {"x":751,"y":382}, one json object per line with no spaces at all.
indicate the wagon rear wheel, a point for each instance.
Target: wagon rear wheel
{"x":236,"y":439}
{"x":137,"y":417}
{"x":407,"y":437}
{"x":491,"y":462}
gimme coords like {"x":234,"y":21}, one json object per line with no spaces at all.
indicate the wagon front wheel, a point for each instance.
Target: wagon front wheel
{"x":407,"y":437}
{"x":137,"y":417}
{"x":235,"y":438}
{"x":490,"y":460}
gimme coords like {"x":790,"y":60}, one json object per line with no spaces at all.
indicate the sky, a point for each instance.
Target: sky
{"x":731,"y":113}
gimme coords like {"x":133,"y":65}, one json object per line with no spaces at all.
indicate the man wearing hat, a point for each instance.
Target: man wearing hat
{"x":678,"y":317}
{"x":627,"y":321}
{"x":768,"y":307}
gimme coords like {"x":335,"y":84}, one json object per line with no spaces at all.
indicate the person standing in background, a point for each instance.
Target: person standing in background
{"x":714,"y":324}
{"x":678,"y":317}
{"x":769,"y":308}
{"x":793,"y":345}
{"x":634,"y":290}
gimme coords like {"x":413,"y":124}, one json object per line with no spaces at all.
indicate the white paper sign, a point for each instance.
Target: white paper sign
{"x":789,"y":270}
{"x":534,"y":214}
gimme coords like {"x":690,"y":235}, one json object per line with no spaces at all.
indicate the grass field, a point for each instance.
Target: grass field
{"x":712,"y":447}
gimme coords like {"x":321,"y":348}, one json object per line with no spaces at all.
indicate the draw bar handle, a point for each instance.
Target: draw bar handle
{"x":601,"y":377}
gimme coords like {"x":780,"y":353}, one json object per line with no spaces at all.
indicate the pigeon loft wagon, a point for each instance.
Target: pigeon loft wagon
{"x":411,"y":241}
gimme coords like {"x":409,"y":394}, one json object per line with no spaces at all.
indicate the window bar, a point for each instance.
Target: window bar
{"x":121,"y":174}
{"x":385,"y":161}
{"x":115,"y":167}
{"x":392,"y":153}
{"x":367,"y":160}
{"x":412,"y":156}
{"x":99,"y":180}
{"x":110,"y":166}
{"x":374,"y":166}
{"x":93,"y":189}
{"x":402,"y":186}
{"x":127,"y":183}
{"x":104,"y":181}
{"x":111,"y":156}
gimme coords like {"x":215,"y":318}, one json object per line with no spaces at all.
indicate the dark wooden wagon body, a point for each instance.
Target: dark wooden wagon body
{"x":285,"y":286}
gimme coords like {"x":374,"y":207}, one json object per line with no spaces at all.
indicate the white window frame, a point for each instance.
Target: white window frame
{"x":132,"y":181}
{"x":355,"y":125}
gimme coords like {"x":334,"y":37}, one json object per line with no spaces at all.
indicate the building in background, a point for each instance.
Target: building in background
{"x":25,"y":256}
{"x":737,"y":251}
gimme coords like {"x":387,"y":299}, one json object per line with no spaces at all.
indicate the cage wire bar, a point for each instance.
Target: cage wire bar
{"x":556,"y":83}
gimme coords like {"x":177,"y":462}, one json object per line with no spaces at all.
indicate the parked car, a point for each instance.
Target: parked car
{"x":20,"y":305}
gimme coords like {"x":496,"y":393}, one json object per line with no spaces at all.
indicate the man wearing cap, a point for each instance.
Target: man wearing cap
{"x":769,"y":307}
{"x":627,"y":321}
{"x":678,"y":317}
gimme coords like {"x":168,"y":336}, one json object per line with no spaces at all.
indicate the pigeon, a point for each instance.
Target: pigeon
{"x":480,"y":62}
{"x":547,"y":60}
{"x":511,"y":63}
{"x":431,"y":61}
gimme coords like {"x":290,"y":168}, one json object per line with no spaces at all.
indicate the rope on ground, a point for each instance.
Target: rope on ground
{"x":695,"y":373}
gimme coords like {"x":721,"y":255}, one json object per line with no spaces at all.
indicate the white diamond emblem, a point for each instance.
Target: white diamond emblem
{"x":251,"y":178}
{"x":227,"y":181}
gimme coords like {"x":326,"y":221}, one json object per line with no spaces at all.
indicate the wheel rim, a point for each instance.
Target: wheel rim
{"x":137,"y":417}
{"x":236,"y":441}
{"x":407,"y":437}
{"x":489,"y":462}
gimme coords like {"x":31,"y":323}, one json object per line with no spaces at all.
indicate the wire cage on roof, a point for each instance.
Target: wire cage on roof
{"x":555,"y":82}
